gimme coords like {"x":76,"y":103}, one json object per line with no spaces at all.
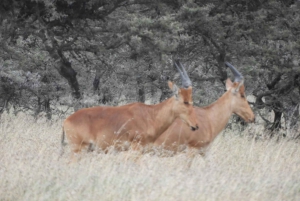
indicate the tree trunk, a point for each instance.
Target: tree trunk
{"x":221,"y":67}
{"x":47,"y":108}
{"x":96,"y":80}
{"x":277,"y":108}
{"x":38,"y":109}
{"x":141,"y":89}
{"x":277,"y":121}
{"x":65,"y":69}
{"x":69,"y":73}
{"x":292,"y":116}
{"x":107,"y":97}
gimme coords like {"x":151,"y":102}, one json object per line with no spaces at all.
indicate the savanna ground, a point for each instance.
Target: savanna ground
{"x":236,"y":167}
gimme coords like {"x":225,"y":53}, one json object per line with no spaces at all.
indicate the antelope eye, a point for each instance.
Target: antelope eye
{"x":243,"y":96}
{"x":187,"y":103}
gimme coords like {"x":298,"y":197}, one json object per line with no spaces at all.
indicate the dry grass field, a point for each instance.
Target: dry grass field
{"x":236,"y":167}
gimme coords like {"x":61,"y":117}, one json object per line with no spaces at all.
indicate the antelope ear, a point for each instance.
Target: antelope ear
{"x":229,"y":84}
{"x":174,"y":88}
{"x":170,"y":85}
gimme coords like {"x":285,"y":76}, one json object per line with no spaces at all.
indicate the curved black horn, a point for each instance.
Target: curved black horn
{"x":238,"y":77}
{"x":186,"y":82}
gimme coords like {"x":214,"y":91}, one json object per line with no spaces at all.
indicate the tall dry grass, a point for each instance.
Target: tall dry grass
{"x":235,"y":168}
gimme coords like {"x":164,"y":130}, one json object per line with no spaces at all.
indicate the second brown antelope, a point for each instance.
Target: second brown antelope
{"x":133,"y":124}
{"x":212,"y":119}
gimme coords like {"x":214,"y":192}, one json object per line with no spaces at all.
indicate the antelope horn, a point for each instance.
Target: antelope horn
{"x":186,"y":82}
{"x":185,"y":73}
{"x":238,"y":77}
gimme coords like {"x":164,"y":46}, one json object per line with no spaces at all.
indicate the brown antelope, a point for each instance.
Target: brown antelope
{"x":212,"y":119}
{"x":136,"y":123}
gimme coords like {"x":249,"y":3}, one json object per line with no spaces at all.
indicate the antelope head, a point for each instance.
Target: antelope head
{"x":240,"y":105}
{"x":184,"y":101}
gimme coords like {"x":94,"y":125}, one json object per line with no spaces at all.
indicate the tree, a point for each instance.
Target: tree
{"x":262,"y":36}
{"x":84,"y":53}
{"x":69,"y":33}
